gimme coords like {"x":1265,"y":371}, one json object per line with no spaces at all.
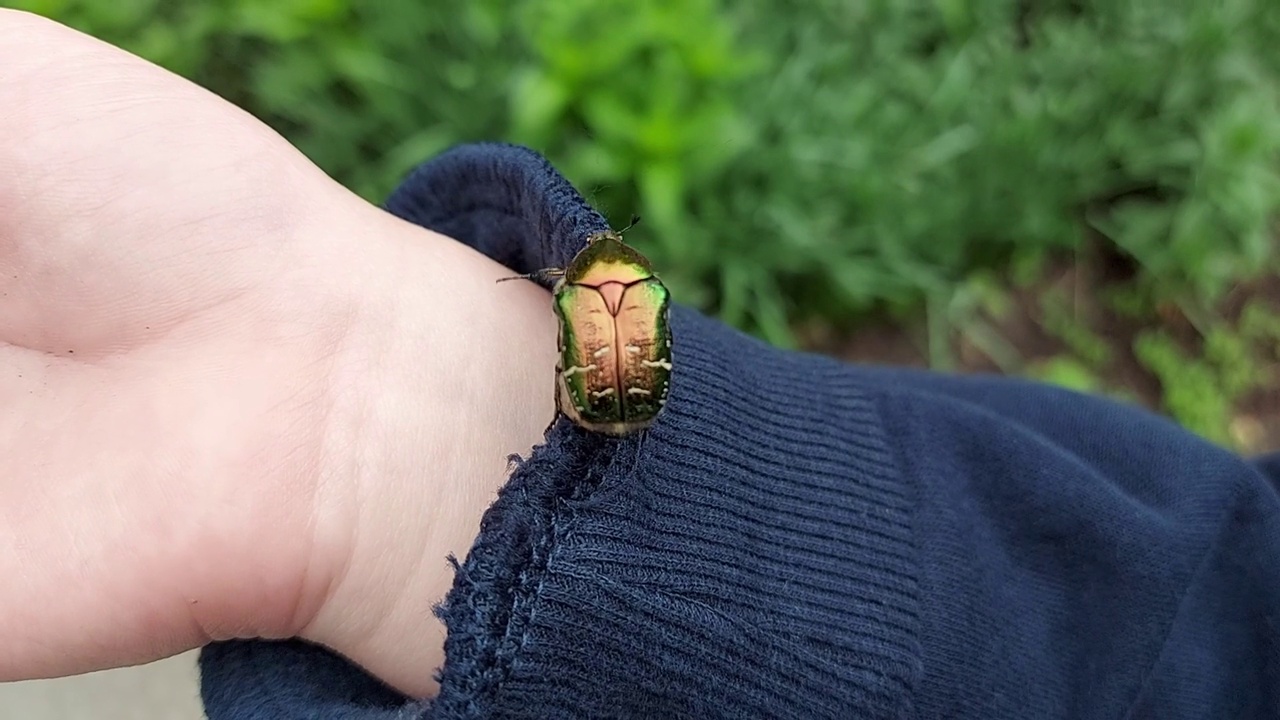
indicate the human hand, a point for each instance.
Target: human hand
{"x":235,"y":400}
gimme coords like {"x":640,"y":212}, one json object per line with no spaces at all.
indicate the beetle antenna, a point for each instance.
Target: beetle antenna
{"x":634,"y":219}
{"x":543,"y":275}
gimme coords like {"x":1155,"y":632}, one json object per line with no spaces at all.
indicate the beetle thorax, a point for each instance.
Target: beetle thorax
{"x":607,"y":259}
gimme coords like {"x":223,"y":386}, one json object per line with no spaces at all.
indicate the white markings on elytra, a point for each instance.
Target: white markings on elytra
{"x":638,"y":391}
{"x":577,"y":369}
{"x":601,"y":352}
{"x":633,"y":349}
{"x":656,"y":364}
{"x":603,"y":393}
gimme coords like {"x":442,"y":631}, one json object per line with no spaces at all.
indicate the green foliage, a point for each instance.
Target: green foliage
{"x":1262,"y":325}
{"x":1193,"y":392}
{"x":1069,"y":373}
{"x":923,"y":143}
{"x":1201,"y":386}
{"x":1082,"y":341}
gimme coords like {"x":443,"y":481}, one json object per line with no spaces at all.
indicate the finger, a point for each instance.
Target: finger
{"x":130,"y":199}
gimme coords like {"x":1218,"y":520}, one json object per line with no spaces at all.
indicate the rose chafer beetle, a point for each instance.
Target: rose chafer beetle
{"x":614,"y":368}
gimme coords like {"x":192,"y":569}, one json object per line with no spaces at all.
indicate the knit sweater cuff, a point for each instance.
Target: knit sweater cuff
{"x":702,"y":568}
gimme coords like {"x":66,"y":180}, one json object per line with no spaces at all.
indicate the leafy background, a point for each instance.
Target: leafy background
{"x":1083,"y":191}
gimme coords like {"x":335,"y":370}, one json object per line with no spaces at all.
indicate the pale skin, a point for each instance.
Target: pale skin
{"x":235,"y":399}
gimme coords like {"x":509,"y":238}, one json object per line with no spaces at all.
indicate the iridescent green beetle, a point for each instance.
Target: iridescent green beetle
{"x":614,"y":369}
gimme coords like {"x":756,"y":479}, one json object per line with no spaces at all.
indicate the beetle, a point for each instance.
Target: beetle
{"x":613,"y":373}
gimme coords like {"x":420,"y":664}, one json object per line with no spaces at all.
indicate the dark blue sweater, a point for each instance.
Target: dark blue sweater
{"x":800,"y":538}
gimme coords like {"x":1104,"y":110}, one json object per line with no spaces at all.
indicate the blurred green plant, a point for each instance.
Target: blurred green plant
{"x":1194,"y":391}
{"x":1070,"y":373}
{"x":911,"y":143}
{"x":1201,"y":385}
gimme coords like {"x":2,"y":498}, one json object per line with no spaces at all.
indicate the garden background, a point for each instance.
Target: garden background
{"x":1083,"y":191}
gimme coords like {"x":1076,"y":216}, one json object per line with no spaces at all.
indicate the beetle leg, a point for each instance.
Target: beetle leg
{"x":544,"y":274}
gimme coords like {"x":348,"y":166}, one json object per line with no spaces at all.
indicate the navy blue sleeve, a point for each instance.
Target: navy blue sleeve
{"x":799,"y":538}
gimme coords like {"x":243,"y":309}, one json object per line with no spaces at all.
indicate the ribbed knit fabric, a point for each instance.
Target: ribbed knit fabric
{"x":798,"y":538}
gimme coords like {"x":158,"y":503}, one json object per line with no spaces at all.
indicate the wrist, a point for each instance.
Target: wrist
{"x":443,"y":375}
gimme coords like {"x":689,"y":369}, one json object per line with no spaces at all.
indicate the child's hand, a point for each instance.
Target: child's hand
{"x":235,"y":400}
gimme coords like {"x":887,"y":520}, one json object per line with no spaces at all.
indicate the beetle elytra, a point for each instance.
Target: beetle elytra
{"x":613,"y":373}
